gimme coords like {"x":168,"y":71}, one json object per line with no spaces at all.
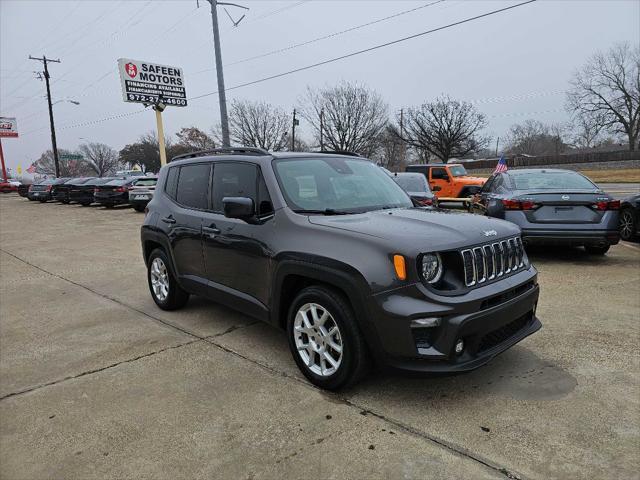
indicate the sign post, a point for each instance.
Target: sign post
{"x":153,"y":84}
{"x":8,"y":128}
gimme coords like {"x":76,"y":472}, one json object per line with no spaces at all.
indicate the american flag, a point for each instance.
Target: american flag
{"x":502,"y":165}
{"x":32,"y":169}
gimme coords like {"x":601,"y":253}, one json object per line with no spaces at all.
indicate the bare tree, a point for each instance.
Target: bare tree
{"x":101,"y":158}
{"x":68,"y":167}
{"x":392,"y":151}
{"x":587,"y":130}
{"x":258,"y":124}
{"x":195,"y":139}
{"x":606,"y":90}
{"x":533,"y":137}
{"x":445,"y":128}
{"x":352,"y":117}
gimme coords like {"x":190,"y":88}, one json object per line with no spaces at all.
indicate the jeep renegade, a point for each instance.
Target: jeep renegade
{"x":331,"y":249}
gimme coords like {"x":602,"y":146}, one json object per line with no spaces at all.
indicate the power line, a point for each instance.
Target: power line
{"x":276,"y":11}
{"x":376,"y":47}
{"x":331,"y":35}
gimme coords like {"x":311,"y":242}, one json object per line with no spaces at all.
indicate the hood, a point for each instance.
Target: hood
{"x":473,"y":180}
{"x":420,"y":228}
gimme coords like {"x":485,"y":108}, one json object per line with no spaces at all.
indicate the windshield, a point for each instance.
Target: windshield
{"x":337,"y":185}
{"x":457,"y":171}
{"x":552,"y":181}
{"x":412,"y":183}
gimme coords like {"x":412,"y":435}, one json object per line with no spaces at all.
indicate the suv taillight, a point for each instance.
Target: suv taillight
{"x":518,"y":205}
{"x":610,"y":205}
{"x":48,"y":189}
{"x":122,"y":189}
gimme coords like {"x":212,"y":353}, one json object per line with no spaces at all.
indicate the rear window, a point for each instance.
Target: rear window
{"x":552,"y":181}
{"x":117,"y":183}
{"x":412,"y":183}
{"x":146,"y":182}
{"x":193,"y":183}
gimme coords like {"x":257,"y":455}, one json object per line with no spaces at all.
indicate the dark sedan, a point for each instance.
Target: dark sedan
{"x":553,"y":206}
{"x":416,"y":185}
{"x":23,"y":189}
{"x":115,"y":192}
{"x":630,"y":217}
{"x":62,"y":191}
{"x":41,"y":191}
{"x":83,"y":193}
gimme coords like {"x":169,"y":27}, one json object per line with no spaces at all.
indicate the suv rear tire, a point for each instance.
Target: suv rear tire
{"x":597,"y":249}
{"x":164,"y":288}
{"x":328,"y":346}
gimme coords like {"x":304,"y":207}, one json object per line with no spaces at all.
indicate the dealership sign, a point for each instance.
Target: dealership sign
{"x":8,"y":127}
{"x":144,"y":82}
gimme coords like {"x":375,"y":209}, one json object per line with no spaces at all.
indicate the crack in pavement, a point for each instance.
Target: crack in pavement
{"x":96,"y":370}
{"x":406,"y":428}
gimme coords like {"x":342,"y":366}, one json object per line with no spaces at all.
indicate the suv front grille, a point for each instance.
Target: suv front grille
{"x":492,"y":260}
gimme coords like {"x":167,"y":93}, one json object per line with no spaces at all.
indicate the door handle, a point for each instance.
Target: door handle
{"x":211,"y":230}
{"x":168,"y":219}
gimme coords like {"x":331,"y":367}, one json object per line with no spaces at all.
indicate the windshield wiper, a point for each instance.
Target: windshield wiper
{"x":326,"y":211}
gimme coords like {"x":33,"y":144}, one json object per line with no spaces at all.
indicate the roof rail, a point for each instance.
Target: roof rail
{"x":339,"y":152}
{"x":223,"y":151}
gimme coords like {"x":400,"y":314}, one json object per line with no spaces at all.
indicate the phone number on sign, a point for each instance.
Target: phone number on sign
{"x":136,"y":97}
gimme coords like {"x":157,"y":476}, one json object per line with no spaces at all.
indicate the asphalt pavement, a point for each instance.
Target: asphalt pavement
{"x":97,"y":382}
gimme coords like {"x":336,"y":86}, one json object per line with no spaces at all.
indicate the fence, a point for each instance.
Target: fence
{"x":526,"y":161}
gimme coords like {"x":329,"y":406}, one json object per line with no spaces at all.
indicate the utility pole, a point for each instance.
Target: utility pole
{"x":322,"y":129}
{"x":54,"y":146}
{"x":296,"y":122}
{"x":222,"y":97}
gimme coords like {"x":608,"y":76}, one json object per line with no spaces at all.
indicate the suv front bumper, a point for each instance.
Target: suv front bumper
{"x":487,"y":324}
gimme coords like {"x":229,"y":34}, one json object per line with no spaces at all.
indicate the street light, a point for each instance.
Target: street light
{"x":66,"y":100}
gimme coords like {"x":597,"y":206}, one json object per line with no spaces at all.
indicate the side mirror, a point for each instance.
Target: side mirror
{"x":436,"y":188}
{"x":238,"y":207}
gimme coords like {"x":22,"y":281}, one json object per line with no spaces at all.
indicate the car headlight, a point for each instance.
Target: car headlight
{"x":431,"y":267}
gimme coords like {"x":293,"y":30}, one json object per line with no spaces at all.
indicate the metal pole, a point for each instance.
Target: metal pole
{"x":497,"y":141}
{"x":224,"y":120}
{"x":293,"y":132}
{"x":163,"y":152}
{"x":4,"y":170}
{"x":322,"y":129}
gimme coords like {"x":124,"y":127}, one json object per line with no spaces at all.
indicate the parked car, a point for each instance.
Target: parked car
{"x":630,"y":217}
{"x":83,"y":193}
{"x":115,"y":192}
{"x":23,"y":189}
{"x":449,"y":180}
{"x":415,"y":184}
{"x":8,"y":186}
{"x":554,"y":206}
{"x":61,"y":192}
{"x":141,"y":192}
{"x":331,"y":249}
{"x":41,"y":191}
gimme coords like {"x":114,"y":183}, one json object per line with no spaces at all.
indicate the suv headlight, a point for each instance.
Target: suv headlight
{"x":431,"y":267}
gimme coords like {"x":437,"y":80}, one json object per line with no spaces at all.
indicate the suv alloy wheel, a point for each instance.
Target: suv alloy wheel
{"x":163,"y":286}
{"x":325,"y":340}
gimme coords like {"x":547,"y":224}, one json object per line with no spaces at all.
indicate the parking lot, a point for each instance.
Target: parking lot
{"x":96,"y":381}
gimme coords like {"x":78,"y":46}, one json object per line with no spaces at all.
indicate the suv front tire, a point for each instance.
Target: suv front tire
{"x":325,"y":340}
{"x":164,"y":288}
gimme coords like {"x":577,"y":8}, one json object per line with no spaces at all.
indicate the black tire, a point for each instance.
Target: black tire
{"x":42,"y":201}
{"x":597,"y":249}
{"x":355,"y":360}
{"x":138,"y":208}
{"x":176,"y":297}
{"x":66,"y":202}
{"x":628,"y":225}
{"x":85,"y":204}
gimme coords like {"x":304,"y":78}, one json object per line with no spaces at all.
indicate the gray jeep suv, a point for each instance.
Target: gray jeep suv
{"x":331,"y":249}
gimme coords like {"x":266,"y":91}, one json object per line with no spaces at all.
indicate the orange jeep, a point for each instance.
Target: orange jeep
{"x":448,"y":180}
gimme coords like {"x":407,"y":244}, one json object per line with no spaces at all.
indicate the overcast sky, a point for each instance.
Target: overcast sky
{"x":515,"y":65}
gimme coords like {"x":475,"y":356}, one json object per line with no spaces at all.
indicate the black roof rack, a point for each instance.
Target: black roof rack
{"x":339,"y":152}
{"x":224,"y":151}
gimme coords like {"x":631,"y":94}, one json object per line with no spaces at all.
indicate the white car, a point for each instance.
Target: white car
{"x":141,"y":192}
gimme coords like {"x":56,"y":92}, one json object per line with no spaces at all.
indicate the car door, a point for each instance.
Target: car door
{"x":236,"y":252}
{"x":188,"y":187}
{"x":439,"y":177}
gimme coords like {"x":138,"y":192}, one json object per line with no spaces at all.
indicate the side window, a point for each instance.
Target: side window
{"x":172,"y":182}
{"x":265,"y":207}
{"x":233,"y":180}
{"x":497,"y":184}
{"x":439,"y":174}
{"x":192,"y":186}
